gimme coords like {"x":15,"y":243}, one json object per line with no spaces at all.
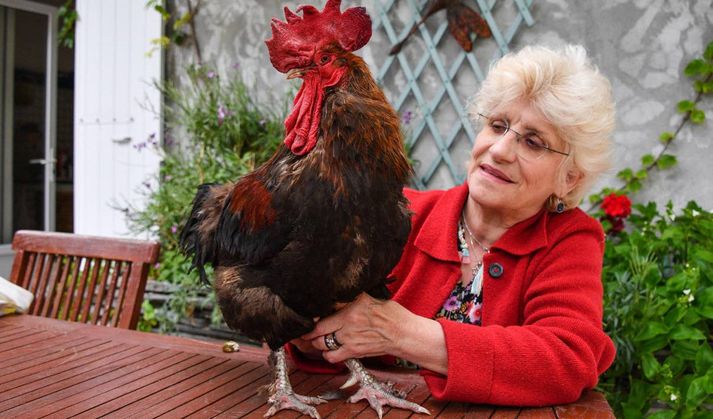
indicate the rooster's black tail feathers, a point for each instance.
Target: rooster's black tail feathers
{"x":192,"y":240}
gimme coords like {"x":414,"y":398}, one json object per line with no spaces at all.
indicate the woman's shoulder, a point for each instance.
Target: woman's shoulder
{"x":574,"y":220}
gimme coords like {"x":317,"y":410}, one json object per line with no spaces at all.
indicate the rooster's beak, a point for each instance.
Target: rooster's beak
{"x":294,"y":73}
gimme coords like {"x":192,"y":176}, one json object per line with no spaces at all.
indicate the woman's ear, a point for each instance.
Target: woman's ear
{"x":570,"y":181}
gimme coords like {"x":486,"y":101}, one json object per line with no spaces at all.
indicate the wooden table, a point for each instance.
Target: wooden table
{"x":61,"y":369}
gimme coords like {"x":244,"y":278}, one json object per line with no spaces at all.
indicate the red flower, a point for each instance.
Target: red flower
{"x":616,"y":206}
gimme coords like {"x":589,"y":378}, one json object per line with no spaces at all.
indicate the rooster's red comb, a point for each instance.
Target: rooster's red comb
{"x":351,"y":30}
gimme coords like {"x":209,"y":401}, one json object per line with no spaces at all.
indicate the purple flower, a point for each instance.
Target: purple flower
{"x":140,"y":146}
{"x":407,"y":117}
{"x":451,"y":304}
{"x":210,"y":74}
{"x":157,"y":265}
{"x":174,"y":229}
{"x":223,"y":113}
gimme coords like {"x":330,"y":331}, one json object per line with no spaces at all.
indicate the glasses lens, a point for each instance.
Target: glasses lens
{"x":530,"y":147}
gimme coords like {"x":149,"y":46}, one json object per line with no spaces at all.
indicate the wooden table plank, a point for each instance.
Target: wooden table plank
{"x":13,"y":333}
{"x":537,"y":413}
{"x":23,"y":364}
{"x":248,"y":386}
{"x":185,"y":380}
{"x":239,"y":403}
{"x":69,"y":361}
{"x":119,"y":382}
{"x":23,"y":339}
{"x":593,"y":404}
{"x":86,"y":383}
{"x":41,"y":353}
{"x":140,"y":389}
{"x":38,"y":393}
{"x":201,"y":385}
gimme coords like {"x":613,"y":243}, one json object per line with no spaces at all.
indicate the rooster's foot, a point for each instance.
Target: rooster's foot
{"x":281,"y":394}
{"x":378,"y":394}
{"x":282,"y":400}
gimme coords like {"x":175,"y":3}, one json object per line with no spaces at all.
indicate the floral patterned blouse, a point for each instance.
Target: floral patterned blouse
{"x":465,"y":302}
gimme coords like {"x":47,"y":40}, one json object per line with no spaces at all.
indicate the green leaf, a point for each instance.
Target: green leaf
{"x":695,"y":68}
{"x":704,"y":358}
{"x":625,"y":174}
{"x":703,"y":254}
{"x":698,"y":116}
{"x":648,"y":159}
{"x":705,"y":311}
{"x":683,"y":332}
{"x":662,"y":414}
{"x":666,"y":137}
{"x":697,"y":391}
{"x":642,"y":174}
{"x":650,"y":330}
{"x":685,"y":106}
{"x":708,"y":53}
{"x":707,"y":87}
{"x":650,"y":366}
{"x":634,"y":185}
{"x":666,"y":161}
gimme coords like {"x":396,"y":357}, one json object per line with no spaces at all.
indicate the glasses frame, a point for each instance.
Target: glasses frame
{"x":519,"y":137}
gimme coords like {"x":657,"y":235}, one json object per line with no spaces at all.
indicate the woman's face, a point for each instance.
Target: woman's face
{"x":501,"y":177}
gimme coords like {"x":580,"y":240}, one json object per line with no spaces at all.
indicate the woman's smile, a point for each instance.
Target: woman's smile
{"x":489,"y":172}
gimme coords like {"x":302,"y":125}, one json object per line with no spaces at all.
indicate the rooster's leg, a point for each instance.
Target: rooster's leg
{"x":376,"y":393}
{"x":281,"y":394}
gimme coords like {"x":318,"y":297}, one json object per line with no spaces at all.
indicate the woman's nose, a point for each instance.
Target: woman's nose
{"x":503,"y":148}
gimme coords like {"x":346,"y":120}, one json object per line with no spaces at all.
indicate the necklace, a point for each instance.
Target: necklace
{"x":472,"y":236}
{"x":464,"y":250}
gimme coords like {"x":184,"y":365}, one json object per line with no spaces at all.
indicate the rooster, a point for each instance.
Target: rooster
{"x":324,"y":219}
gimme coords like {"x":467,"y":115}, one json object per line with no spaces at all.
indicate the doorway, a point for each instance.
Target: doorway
{"x":36,"y":123}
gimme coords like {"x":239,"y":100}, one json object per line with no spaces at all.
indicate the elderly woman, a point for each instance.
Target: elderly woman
{"x":498,"y":297}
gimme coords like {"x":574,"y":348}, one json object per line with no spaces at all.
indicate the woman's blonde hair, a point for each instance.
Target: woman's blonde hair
{"x":571,"y":94}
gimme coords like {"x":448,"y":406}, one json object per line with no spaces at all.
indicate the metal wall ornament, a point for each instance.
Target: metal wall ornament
{"x":462,"y":21}
{"x":431,"y":78}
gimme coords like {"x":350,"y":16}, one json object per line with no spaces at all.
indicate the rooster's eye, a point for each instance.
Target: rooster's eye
{"x":324,"y":59}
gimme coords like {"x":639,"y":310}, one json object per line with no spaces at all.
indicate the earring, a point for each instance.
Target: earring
{"x":560,"y":206}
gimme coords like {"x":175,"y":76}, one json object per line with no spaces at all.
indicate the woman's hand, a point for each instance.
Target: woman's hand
{"x":369,"y":327}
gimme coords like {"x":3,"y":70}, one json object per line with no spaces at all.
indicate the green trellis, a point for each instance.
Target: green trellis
{"x":425,"y":54}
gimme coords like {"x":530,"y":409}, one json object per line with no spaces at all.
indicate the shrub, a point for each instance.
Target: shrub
{"x":658,"y":309}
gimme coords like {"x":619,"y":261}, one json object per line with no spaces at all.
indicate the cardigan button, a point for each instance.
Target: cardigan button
{"x":495,"y":270}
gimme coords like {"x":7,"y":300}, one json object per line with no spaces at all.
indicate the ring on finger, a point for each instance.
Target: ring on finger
{"x":331,"y":341}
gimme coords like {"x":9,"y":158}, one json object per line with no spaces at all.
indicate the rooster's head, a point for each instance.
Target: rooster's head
{"x":310,"y":47}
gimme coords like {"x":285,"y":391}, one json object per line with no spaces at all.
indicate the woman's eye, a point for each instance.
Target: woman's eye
{"x":534,"y":142}
{"x":499,"y":126}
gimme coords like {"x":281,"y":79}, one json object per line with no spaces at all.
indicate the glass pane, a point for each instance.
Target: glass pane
{"x":29,"y":101}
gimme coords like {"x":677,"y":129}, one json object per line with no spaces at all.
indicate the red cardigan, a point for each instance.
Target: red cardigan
{"x":541,"y":341}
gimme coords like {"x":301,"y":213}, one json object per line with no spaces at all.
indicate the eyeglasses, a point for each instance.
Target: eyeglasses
{"x":529,"y":146}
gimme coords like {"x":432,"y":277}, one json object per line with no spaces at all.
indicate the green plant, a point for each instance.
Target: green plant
{"x":67,"y":14}
{"x":658,"y":309}
{"x":223,"y":135}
